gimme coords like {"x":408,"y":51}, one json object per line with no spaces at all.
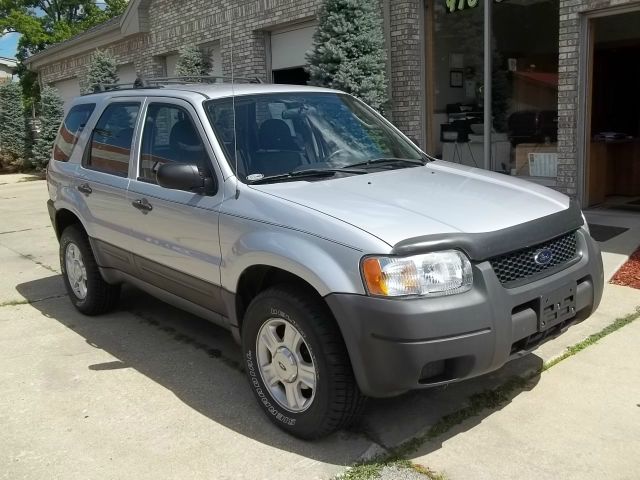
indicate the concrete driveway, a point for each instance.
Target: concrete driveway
{"x":152,"y":392}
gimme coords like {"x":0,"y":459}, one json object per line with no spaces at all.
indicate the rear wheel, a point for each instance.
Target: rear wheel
{"x":297,"y":363}
{"x":87,"y":290}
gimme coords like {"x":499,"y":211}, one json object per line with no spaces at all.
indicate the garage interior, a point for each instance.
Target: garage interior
{"x":613,"y":112}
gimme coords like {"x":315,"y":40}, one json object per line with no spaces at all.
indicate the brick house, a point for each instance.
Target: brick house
{"x":546,"y":54}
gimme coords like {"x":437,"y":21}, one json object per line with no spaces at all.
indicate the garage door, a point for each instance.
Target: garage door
{"x":289,"y":47}
{"x":170,"y":64}
{"x":68,"y":89}
{"x":126,"y":73}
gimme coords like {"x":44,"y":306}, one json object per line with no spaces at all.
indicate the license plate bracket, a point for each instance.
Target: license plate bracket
{"x":557,"y":307}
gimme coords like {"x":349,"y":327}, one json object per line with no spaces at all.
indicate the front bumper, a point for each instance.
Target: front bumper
{"x":397,"y":345}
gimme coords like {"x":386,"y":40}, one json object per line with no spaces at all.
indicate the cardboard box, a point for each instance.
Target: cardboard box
{"x":522,"y":155}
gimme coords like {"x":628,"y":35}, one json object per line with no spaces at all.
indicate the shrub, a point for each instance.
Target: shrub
{"x":348,"y":51}
{"x":13,"y":132}
{"x":51,"y":112}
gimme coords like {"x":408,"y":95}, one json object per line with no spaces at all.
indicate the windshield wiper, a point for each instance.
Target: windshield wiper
{"x":310,"y":172}
{"x":411,"y":161}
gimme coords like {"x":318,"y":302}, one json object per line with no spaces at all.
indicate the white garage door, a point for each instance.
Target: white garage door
{"x":68,"y":89}
{"x":126,"y":73}
{"x":289,"y":47}
{"x":170,"y":64}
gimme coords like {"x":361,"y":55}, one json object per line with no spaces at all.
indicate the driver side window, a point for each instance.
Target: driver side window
{"x":169,"y":136}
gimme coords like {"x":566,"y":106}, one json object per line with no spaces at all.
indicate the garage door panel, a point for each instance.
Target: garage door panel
{"x":68,"y":90}
{"x":289,"y":48}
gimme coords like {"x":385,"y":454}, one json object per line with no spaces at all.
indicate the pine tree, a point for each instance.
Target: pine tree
{"x":191,"y":62}
{"x":102,"y":72}
{"x":348,"y":51}
{"x":51,"y":112}
{"x":13,"y":132}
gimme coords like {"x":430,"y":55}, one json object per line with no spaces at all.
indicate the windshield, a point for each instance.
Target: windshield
{"x":276,"y":134}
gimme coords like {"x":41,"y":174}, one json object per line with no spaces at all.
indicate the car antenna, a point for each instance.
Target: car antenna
{"x":233,"y":105}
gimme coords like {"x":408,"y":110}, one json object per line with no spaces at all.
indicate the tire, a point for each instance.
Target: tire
{"x":277,"y":314}
{"x":99,"y":296}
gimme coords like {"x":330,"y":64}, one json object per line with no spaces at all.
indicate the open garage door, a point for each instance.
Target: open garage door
{"x":288,"y":53}
{"x":68,"y":89}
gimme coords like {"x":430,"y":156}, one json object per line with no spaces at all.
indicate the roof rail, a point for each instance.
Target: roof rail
{"x":159,"y":82}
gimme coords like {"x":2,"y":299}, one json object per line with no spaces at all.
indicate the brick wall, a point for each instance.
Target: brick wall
{"x":407,"y":59}
{"x":173,"y":24}
{"x":568,"y":89}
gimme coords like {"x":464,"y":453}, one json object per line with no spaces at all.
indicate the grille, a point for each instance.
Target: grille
{"x":521,"y":265}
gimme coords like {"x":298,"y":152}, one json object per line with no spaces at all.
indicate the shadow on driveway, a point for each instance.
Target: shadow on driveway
{"x":201,"y":364}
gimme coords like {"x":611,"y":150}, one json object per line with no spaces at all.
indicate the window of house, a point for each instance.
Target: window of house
{"x":524,"y":73}
{"x":112,"y":139}
{"x":169,"y":137}
{"x":70,"y":131}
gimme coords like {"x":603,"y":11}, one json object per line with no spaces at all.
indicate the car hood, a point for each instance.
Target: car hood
{"x":438,"y":198}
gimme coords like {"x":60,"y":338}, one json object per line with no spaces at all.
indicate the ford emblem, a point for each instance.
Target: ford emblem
{"x":543,"y":257}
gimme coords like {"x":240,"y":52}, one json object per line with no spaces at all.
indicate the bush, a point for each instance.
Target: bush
{"x":13,"y":132}
{"x":51,"y":113}
{"x":102,"y":72}
{"x":348,"y":52}
{"x":191,"y":62}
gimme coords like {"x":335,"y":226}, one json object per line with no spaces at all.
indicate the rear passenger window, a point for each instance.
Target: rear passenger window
{"x":112,"y":138}
{"x":169,"y":136}
{"x":70,"y":131}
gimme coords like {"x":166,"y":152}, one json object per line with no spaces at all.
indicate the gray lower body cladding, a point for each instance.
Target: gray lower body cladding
{"x":398,"y":345}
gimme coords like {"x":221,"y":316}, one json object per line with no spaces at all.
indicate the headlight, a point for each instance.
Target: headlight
{"x":586,"y":225}
{"x":432,"y":274}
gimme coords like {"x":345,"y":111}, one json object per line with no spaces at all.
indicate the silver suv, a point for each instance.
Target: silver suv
{"x":345,"y":261}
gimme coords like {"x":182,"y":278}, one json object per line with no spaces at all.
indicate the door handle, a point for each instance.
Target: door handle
{"x":85,"y":188}
{"x":143,"y":205}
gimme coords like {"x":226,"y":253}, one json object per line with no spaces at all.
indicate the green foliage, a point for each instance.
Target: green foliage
{"x":51,"y":112}
{"x":13,"y":134}
{"x":191,"y":62}
{"x":348,"y":52}
{"x":102,"y":72}
{"x":44,"y":22}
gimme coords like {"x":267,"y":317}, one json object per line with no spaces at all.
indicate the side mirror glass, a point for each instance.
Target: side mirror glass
{"x":184,"y":176}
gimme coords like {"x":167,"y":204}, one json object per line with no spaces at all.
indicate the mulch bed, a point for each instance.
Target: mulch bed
{"x":629,"y":273}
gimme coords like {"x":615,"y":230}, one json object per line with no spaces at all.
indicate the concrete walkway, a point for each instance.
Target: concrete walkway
{"x":581,"y":421}
{"x":151,"y":392}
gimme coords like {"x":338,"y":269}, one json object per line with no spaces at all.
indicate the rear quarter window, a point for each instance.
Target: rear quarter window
{"x":70,"y":130}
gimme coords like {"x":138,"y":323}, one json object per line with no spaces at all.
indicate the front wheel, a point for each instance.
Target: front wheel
{"x":297,"y":363}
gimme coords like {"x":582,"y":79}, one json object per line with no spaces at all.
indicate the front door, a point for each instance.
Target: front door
{"x":175,"y":236}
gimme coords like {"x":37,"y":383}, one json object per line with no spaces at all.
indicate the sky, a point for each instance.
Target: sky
{"x":8,"y":45}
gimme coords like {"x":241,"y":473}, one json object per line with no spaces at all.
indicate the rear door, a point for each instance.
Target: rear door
{"x":175,"y":235}
{"x":103,"y":177}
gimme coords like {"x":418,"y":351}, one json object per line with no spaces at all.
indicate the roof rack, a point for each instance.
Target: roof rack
{"x":160,"y":82}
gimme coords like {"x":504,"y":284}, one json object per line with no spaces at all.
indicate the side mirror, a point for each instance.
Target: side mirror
{"x":184,"y":176}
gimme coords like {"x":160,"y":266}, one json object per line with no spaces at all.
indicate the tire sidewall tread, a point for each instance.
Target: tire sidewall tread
{"x":337,"y":398}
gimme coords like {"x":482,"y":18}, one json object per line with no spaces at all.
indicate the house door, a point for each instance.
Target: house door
{"x":613,"y":112}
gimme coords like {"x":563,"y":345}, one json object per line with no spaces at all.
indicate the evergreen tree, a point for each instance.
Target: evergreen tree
{"x":51,"y":112}
{"x":191,"y":62}
{"x":13,"y":132}
{"x":348,"y":51}
{"x":102,"y":72}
